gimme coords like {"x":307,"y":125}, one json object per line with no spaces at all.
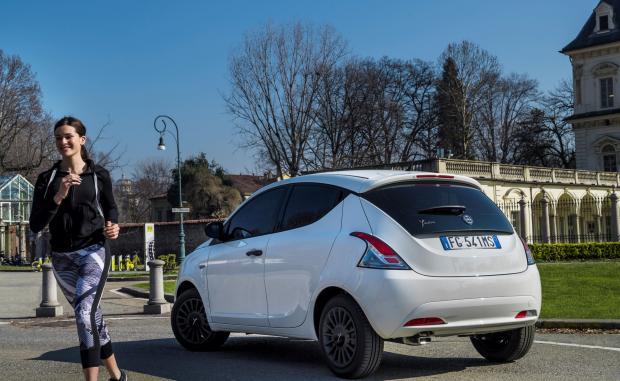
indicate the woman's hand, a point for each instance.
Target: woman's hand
{"x":65,"y":184}
{"x":110,"y":230}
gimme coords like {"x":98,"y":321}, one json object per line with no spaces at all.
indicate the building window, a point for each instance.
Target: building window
{"x":609,"y":159}
{"x":603,"y":22}
{"x":578,"y":91}
{"x":607,"y":92}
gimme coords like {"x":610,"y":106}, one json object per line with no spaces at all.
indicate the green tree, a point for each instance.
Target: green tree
{"x":449,"y":94}
{"x":204,"y":188}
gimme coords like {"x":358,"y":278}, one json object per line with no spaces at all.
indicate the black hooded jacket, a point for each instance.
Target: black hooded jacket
{"x":77,"y":222}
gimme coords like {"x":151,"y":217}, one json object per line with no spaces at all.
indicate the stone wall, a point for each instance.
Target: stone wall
{"x":131,"y":238}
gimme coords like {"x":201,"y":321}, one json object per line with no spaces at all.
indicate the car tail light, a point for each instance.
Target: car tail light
{"x":378,"y":254}
{"x":528,"y":252}
{"x":524,"y":314}
{"x":424,"y":321}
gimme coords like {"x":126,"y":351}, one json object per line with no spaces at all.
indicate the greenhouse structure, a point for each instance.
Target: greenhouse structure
{"x":15,"y":203}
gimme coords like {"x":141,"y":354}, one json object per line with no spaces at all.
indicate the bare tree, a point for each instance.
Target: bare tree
{"x":275,"y":77}
{"x":505,"y":105}
{"x":26,"y":141}
{"x":150,"y":178}
{"x":558,"y":105}
{"x":110,"y":158}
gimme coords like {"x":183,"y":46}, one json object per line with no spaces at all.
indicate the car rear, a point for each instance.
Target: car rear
{"x":445,"y":260}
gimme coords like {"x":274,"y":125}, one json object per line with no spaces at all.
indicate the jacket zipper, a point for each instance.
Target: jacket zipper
{"x":72,"y":203}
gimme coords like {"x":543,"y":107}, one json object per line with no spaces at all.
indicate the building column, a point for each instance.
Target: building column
{"x":553,"y":226}
{"x":522,"y":217}
{"x":597,"y":223}
{"x":544,"y":228}
{"x":614,"y":216}
{"x":22,"y":240}
{"x":3,"y":238}
{"x":578,"y":228}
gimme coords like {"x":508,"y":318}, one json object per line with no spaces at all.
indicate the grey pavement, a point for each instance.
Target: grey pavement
{"x":20,"y":295}
{"x":145,"y":346}
{"x":46,"y":348}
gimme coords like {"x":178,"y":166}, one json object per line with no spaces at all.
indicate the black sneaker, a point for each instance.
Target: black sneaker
{"x":122,"y":378}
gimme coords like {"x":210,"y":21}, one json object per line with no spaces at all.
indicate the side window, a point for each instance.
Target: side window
{"x":309,"y":203}
{"x":259,"y":216}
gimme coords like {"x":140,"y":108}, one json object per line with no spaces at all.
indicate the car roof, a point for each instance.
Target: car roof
{"x":360,"y":181}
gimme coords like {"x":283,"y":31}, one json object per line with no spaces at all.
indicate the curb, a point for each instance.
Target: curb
{"x":26,"y":270}
{"x":144,"y":278}
{"x":579,"y":323}
{"x":141,"y":293}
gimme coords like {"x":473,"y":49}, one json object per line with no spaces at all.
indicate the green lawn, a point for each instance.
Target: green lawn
{"x":168,"y":286}
{"x":15,"y":268}
{"x":574,"y":290}
{"x":571,"y":290}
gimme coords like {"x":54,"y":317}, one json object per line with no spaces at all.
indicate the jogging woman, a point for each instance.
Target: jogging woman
{"x":75,"y":199}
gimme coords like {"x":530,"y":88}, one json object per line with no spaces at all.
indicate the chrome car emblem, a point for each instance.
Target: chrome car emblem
{"x":467,"y":219}
{"x":426,"y":222}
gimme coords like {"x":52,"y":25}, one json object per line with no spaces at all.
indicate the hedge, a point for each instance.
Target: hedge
{"x":171,"y":261}
{"x":575,"y":251}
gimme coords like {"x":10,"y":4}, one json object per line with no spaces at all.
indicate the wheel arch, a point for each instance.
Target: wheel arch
{"x":184,"y":286}
{"x":324,"y":296}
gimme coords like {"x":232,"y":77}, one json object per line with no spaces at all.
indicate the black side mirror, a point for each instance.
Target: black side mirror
{"x":215,"y":230}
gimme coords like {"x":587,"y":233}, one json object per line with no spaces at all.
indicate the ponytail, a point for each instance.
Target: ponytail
{"x":84,"y":153}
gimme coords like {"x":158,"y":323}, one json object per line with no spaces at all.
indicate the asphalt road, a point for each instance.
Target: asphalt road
{"x":33,"y":349}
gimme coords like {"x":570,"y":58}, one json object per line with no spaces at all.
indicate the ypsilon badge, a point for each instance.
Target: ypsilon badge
{"x":467,"y":219}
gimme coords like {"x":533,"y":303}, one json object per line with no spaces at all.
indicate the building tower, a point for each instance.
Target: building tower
{"x":595,"y":57}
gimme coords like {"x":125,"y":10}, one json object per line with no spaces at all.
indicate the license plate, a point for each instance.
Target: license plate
{"x":470,"y":242}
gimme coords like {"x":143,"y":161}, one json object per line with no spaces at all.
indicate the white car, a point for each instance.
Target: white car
{"x":354,"y":258}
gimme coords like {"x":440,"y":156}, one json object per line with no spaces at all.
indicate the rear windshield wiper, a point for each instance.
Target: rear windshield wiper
{"x":444,"y":209}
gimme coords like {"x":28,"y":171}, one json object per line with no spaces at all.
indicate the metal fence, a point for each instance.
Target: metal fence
{"x":566,"y":220}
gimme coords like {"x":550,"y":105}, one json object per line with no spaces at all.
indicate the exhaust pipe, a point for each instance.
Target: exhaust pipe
{"x":416,"y":340}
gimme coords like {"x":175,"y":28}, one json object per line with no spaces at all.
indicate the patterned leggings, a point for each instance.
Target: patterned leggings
{"x":81,"y":276}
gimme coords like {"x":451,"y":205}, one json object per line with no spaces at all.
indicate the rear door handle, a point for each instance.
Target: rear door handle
{"x":202,"y":265}
{"x":254,"y":253}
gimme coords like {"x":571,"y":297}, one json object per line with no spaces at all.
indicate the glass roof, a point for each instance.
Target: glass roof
{"x":15,"y":188}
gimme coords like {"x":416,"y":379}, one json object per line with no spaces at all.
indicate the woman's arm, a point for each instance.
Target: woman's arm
{"x":43,"y":208}
{"x":110,"y":212}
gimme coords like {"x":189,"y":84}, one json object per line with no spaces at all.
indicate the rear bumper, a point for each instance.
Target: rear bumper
{"x":472,"y":316}
{"x":468,"y":305}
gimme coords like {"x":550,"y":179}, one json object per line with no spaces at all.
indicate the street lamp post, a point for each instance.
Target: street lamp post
{"x":161,"y":146}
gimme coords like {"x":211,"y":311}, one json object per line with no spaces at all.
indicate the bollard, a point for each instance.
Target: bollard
{"x":113,"y":262}
{"x":49,"y":306}
{"x":157,"y":303}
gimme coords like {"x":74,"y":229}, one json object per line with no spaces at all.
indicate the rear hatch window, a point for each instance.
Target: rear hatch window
{"x":429,"y":208}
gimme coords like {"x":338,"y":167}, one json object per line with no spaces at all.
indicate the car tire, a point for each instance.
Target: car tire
{"x":349,"y":344}
{"x":504,"y":346}
{"x":190,"y":325}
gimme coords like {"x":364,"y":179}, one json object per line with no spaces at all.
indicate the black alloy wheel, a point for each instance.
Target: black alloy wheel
{"x":350,"y":346}
{"x":190,"y":325}
{"x":340,"y":337}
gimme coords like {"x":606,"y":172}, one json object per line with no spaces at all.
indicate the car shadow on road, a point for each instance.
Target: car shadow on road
{"x":256,"y":358}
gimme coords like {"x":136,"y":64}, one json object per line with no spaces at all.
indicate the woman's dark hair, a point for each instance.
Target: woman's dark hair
{"x":79,"y":128}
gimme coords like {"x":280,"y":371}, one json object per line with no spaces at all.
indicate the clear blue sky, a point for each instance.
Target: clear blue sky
{"x":132,"y":60}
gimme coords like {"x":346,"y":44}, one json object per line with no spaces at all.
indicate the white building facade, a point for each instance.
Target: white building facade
{"x":595,"y":58}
